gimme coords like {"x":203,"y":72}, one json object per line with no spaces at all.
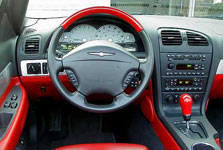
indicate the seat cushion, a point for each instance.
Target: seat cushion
{"x":104,"y":146}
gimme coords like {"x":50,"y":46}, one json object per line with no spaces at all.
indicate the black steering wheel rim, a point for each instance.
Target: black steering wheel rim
{"x":77,"y":98}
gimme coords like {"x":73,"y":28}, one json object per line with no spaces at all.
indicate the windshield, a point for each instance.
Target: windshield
{"x":186,"y":8}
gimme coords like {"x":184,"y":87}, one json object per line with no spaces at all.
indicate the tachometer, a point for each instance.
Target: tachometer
{"x":111,"y":33}
{"x":82,"y":33}
{"x":129,"y":38}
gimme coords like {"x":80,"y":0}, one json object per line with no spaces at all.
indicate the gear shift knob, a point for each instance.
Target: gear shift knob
{"x":186,"y":102}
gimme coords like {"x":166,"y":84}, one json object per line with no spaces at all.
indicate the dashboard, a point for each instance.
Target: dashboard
{"x":187,"y":55}
{"x":34,"y":41}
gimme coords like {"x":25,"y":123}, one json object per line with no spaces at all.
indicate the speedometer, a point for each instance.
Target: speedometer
{"x":111,"y":33}
{"x":82,"y":33}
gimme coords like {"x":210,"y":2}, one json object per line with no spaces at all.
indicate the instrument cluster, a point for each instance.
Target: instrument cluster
{"x":84,"y":32}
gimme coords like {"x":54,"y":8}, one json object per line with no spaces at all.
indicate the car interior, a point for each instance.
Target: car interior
{"x":111,"y":75}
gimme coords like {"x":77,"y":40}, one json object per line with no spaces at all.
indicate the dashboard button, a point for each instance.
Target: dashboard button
{"x":45,"y":68}
{"x":14,"y":105}
{"x":14,"y":97}
{"x":7,"y":104}
{"x":176,"y":98}
{"x":167,"y":89}
{"x":175,"y":73}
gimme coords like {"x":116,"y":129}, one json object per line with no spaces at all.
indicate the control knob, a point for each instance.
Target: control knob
{"x":33,"y":68}
{"x":171,"y":66}
{"x":169,"y":98}
{"x":197,"y":97}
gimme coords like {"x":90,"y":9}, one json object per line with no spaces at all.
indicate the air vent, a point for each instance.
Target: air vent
{"x":32,"y":46}
{"x":171,"y":37}
{"x":195,"y":39}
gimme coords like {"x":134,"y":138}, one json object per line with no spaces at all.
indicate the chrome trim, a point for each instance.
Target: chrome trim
{"x":5,"y":78}
{"x":101,"y":54}
{"x":24,"y":67}
{"x":220,"y":67}
{"x":41,"y":61}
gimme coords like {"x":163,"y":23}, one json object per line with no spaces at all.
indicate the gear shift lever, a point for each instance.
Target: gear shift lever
{"x":186,"y":106}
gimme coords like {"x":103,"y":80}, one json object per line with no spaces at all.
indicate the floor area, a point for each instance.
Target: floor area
{"x":54,"y":124}
{"x":214,"y":115}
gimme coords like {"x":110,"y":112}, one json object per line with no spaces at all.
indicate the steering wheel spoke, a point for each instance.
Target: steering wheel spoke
{"x":121,"y":99}
{"x":77,"y":98}
{"x":57,"y":65}
{"x":144,"y":66}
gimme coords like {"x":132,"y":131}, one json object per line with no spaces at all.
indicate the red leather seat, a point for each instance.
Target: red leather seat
{"x":104,"y":146}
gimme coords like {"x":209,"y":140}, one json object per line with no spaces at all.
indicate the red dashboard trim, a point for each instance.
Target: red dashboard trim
{"x":104,"y":146}
{"x":33,"y":85}
{"x":148,"y":110}
{"x":216,"y":90}
{"x":103,"y":10}
{"x":217,"y":86}
{"x":12,"y":135}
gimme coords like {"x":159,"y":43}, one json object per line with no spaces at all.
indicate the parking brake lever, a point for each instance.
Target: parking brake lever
{"x":186,"y":102}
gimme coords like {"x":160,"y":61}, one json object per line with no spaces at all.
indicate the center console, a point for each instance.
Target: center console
{"x":185,"y":59}
{"x":184,"y":73}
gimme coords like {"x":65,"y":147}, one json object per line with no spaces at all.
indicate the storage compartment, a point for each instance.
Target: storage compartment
{"x":5,"y":119}
{"x":196,"y":130}
{"x":203,"y":146}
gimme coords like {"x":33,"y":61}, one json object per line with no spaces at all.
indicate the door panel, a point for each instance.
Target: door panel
{"x":5,"y":78}
{"x":13,"y":98}
{"x":8,"y":40}
{"x":7,"y":65}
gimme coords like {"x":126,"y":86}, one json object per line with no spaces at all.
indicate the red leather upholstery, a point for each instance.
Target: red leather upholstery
{"x":104,"y":146}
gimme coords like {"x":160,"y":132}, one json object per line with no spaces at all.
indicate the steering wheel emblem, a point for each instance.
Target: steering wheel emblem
{"x":101,"y":54}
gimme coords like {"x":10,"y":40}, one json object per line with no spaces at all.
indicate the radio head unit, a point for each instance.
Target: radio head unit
{"x":184,"y":73}
{"x":185,"y":67}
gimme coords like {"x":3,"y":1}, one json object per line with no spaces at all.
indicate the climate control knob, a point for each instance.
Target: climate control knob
{"x":169,"y":98}
{"x":196,"y":97}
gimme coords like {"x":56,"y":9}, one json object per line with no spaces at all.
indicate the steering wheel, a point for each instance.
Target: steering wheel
{"x":100,"y":66}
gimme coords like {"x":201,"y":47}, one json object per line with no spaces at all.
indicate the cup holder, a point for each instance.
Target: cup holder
{"x":5,"y":119}
{"x":203,"y":146}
